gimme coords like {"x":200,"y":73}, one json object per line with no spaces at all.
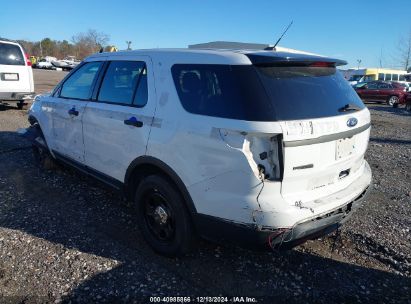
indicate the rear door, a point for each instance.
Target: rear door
{"x":371,"y":92}
{"x":384,"y":91}
{"x":117,"y":124}
{"x":15,"y":75}
{"x":67,"y":109}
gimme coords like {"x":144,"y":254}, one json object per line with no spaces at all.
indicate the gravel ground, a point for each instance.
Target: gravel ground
{"x":64,"y":237}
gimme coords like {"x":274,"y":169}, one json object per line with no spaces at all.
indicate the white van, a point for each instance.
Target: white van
{"x":261,"y":148}
{"x":16,"y":74}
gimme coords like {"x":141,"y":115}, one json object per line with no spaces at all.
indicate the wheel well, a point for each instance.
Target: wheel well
{"x":145,"y":166}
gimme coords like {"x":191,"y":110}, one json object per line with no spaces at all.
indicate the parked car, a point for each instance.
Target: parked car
{"x":16,"y":74}
{"x":44,"y":64}
{"x":261,"y":148}
{"x":393,"y":93}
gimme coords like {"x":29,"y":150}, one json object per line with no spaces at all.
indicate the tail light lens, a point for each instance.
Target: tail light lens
{"x":28,"y":61}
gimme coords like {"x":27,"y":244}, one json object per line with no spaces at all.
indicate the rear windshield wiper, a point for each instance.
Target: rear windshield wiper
{"x":349,"y":107}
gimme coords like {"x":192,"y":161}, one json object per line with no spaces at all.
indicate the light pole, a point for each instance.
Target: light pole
{"x":128,"y":45}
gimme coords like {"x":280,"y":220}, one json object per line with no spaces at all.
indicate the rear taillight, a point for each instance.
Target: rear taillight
{"x":263,"y":151}
{"x":28,"y":61}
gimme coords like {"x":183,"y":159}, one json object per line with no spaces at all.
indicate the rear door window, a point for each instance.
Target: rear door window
{"x":125,"y":82}
{"x":80,"y":84}
{"x":11,"y":54}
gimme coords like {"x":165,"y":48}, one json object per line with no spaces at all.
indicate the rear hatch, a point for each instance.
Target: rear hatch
{"x":325,"y":124}
{"x":15,"y":75}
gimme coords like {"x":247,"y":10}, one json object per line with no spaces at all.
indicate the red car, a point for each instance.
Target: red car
{"x":393,"y":93}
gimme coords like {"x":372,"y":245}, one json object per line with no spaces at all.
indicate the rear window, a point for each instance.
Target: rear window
{"x":11,"y":54}
{"x":265,"y":93}
{"x":305,"y":92}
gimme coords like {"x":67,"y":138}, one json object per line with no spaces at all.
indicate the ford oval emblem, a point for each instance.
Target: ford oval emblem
{"x":352,"y":122}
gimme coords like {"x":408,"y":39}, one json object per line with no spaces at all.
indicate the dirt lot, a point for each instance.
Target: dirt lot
{"x":63,"y":237}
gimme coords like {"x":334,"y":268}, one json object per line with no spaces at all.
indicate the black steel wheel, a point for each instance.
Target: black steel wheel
{"x":163,"y":217}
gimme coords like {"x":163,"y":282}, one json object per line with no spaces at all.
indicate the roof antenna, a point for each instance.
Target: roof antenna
{"x":272,"y":48}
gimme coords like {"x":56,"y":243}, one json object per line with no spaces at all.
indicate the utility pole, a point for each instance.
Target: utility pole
{"x":359,"y":62}
{"x":128,"y":45}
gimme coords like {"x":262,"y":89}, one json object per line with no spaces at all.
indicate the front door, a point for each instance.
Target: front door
{"x":67,"y":110}
{"x":117,"y":124}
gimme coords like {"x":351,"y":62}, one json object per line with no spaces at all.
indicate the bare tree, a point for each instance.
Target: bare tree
{"x":404,"y":52}
{"x":89,"y":42}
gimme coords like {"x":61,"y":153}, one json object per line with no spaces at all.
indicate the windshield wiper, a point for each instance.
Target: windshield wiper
{"x":349,"y":107}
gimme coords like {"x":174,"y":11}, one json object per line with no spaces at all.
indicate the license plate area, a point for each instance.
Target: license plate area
{"x":344,"y":147}
{"x":9,"y":76}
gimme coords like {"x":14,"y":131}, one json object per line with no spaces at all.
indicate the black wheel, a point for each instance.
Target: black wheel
{"x":21,"y":105}
{"x":393,"y":101}
{"x":408,"y":106}
{"x":41,"y":153}
{"x":163,"y":217}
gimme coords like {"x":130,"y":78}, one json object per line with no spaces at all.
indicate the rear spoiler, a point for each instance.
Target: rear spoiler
{"x":292,"y":59}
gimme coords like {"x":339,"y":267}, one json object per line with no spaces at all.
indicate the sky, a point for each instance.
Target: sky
{"x":369,"y":30}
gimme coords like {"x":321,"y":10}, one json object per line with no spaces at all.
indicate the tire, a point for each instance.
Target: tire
{"x":408,"y":106}
{"x":21,"y":105}
{"x":163,"y":217}
{"x":42,"y":155}
{"x":393,"y":101}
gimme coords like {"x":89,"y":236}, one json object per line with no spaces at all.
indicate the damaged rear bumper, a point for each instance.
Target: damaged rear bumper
{"x":254,"y":237}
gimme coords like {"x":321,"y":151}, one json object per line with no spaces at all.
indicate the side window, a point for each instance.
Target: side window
{"x":221,"y":91}
{"x":383,"y":86}
{"x":380,"y":76}
{"x":394,"y":77}
{"x":79,"y":85}
{"x":125,"y":82}
{"x":388,"y":77}
{"x":372,"y":86}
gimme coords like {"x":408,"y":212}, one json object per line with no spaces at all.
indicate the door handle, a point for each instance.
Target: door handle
{"x":73,"y":111}
{"x":132,"y":121}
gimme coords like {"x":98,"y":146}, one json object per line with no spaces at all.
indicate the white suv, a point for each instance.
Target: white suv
{"x":16,"y":74}
{"x":262,"y":148}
